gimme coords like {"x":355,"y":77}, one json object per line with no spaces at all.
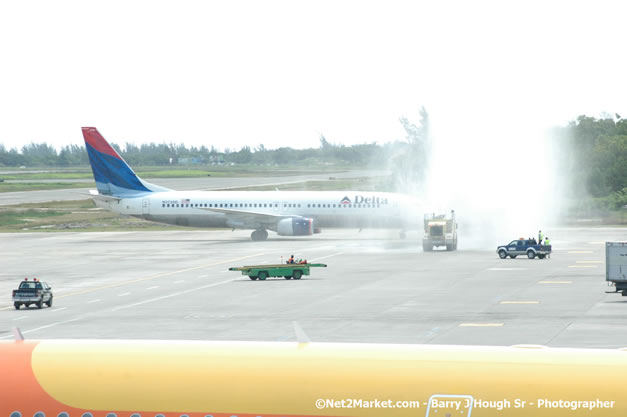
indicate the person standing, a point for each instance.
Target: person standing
{"x":547,"y":242}
{"x":540,"y":237}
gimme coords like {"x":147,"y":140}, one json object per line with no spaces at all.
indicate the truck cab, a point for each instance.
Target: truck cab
{"x":439,"y":230}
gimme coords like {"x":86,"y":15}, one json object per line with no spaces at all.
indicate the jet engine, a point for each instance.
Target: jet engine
{"x":296,"y":226}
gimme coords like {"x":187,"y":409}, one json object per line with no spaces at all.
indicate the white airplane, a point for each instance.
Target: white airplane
{"x":288,"y":213}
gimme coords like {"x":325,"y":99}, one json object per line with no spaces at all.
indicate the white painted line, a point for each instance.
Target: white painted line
{"x":172,"y":295}
{"x":203,"y":276}
{"x":582,"y":266}
{"x":555,"y":282}
{"x":40,"y":328}
{"x":481,"y":325}
{"x":179,"y":281}
{"x":93,"y":301}
{"x":507,"y":269}
{"x":49,"y":325}
{"x":20,"y":318}
{"x":152,"y":288}
{"x":324,"y":257}
{"x":165,"y":274}
{"x":321,"y":248}
{"x":123,"y":294}
{"x":58,"y":309}
{"x":520,"y":302}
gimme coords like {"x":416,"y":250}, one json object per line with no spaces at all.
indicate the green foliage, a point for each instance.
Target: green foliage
{"x":24,"y":217}
{"x":38,"y":186}
{"x":594,"y":155}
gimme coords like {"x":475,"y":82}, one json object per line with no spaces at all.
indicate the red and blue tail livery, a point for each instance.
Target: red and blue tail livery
{"x":112,"y":174}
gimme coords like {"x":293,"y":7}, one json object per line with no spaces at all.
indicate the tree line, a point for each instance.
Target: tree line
{"x":592,"y":156}
{"x":593,"y":160}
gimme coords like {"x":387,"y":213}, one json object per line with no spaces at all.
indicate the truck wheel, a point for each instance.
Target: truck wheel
{"x":287,"y":277}
{"x":49,"y":303}
{"x":16,"y":305}
{"x":297,"y":274}
{"x":531,"y":254}
{"x":541,"y":256}
{"x":253,"y":278}
{"x":39,"y":304}
{"x":262,"y":275}
{"x":513,"y":256}
{"x":502,"y":254}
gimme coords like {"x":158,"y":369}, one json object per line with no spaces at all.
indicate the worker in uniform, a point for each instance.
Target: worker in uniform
{"x":547,"y":242}
{"x":291,"y":260}
{"x":540,"y":236}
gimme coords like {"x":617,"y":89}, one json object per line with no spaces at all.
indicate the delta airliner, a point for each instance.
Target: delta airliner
{"x":288,"y":213}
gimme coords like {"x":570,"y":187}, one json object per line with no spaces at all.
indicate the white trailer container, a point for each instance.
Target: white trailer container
{"x":616,"y":265}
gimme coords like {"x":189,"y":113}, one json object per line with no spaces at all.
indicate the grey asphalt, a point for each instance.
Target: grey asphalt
{"x":204,"y":183}
{"x":376,"y":288}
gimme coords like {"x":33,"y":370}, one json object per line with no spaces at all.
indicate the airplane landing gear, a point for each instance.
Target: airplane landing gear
{"x":258,"y":235}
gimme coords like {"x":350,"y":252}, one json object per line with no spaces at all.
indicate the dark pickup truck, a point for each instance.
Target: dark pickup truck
{"x":32,"y":292}
{"x":523,"y":247}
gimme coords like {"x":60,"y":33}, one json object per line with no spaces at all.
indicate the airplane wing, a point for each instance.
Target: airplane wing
{"x":249,"y":217}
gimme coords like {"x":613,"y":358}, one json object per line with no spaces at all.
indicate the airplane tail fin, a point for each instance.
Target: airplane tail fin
{"x":112,"y":174}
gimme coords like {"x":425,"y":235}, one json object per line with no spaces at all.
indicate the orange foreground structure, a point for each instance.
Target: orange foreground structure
{"x":249,"y":379}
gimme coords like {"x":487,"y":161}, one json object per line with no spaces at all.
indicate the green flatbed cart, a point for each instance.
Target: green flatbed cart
{"x":287,"y":271}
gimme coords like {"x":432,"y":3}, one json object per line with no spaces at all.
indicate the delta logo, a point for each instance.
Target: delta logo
{"x":360,"y":199}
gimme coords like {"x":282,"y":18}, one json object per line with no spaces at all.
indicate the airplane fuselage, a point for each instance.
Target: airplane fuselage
{"x":229,"y":208}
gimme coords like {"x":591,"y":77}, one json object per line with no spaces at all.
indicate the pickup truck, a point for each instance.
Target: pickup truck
{"x":523,"y":247}
{"x":32,"y":292}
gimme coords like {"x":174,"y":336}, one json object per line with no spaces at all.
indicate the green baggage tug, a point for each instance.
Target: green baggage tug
{"x":286,"y":271}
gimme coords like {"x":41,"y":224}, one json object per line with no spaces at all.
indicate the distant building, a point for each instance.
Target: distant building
{"x":191,"y":161}
{"x":216,"y":159}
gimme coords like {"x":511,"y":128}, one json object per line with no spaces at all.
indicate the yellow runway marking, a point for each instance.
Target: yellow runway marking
{"x":555,"y":282}
{"x":117,"y":284}
{"x":481,"y":325}
{"x":582,"y":266}
{"x":580,"y":251}
{"x":520,"y":302}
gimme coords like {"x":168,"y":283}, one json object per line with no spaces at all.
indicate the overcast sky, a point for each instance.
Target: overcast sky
{"x":280,"y":73}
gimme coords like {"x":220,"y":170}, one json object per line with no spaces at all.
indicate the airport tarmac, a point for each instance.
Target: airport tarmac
{"x":376,"y":288}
